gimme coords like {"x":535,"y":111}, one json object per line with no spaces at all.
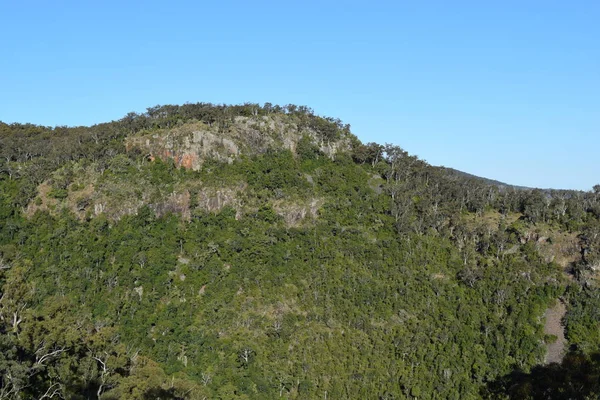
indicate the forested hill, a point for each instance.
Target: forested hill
{"x":256,"y":251}
{"x":487,"y":180}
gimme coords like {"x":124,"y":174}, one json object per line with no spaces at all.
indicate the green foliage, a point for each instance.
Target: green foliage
{"x":367,"y":275}
{"x":307,"y":150}
{"x":577,"y":377}
{"x":58,"y":193}
{"x":583,"y":318}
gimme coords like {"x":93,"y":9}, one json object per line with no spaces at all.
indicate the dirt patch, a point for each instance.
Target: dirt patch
{"x":555,"y":351}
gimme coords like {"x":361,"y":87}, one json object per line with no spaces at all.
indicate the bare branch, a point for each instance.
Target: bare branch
{"x":41,"y":360}
{"x":50,"y":393}
{"x":4,"y":265}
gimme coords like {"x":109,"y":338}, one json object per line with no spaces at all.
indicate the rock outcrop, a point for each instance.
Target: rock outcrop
{"x":191,"y":144}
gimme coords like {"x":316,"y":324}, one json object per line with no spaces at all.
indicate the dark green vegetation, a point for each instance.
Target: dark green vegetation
{"x":577,"y":377}
{"x":287,"y":271}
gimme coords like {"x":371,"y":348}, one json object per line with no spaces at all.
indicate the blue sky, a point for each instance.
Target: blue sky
{"x":508,"y":90}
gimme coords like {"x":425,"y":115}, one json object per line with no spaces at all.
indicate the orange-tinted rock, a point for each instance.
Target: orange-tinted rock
{"x":188,"y":160}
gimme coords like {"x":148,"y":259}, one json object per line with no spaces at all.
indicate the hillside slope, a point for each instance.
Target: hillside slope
{"x":256,"y":252}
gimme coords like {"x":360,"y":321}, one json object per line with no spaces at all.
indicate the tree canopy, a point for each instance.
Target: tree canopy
{"x":283,"y":272}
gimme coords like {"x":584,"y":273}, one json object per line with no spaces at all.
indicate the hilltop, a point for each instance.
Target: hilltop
{"x":259,"y":251}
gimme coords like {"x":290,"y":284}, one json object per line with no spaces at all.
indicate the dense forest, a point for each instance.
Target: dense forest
{"x":261,"y":252}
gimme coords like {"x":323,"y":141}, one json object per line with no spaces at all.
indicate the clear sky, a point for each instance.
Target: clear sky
{"x":509,"y":90}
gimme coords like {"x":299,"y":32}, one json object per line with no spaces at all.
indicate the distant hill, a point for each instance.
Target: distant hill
{"x":487,"y":181}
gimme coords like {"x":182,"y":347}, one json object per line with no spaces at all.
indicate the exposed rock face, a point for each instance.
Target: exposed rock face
{"x":177,"y":203}
{"x":190,"y":144}
{"x":187,"y":149}
{"x":294,"y":213}
{"x":215,"y":199}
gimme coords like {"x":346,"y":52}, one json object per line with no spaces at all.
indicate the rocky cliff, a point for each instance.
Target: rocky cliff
{"x":190,"y":144}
